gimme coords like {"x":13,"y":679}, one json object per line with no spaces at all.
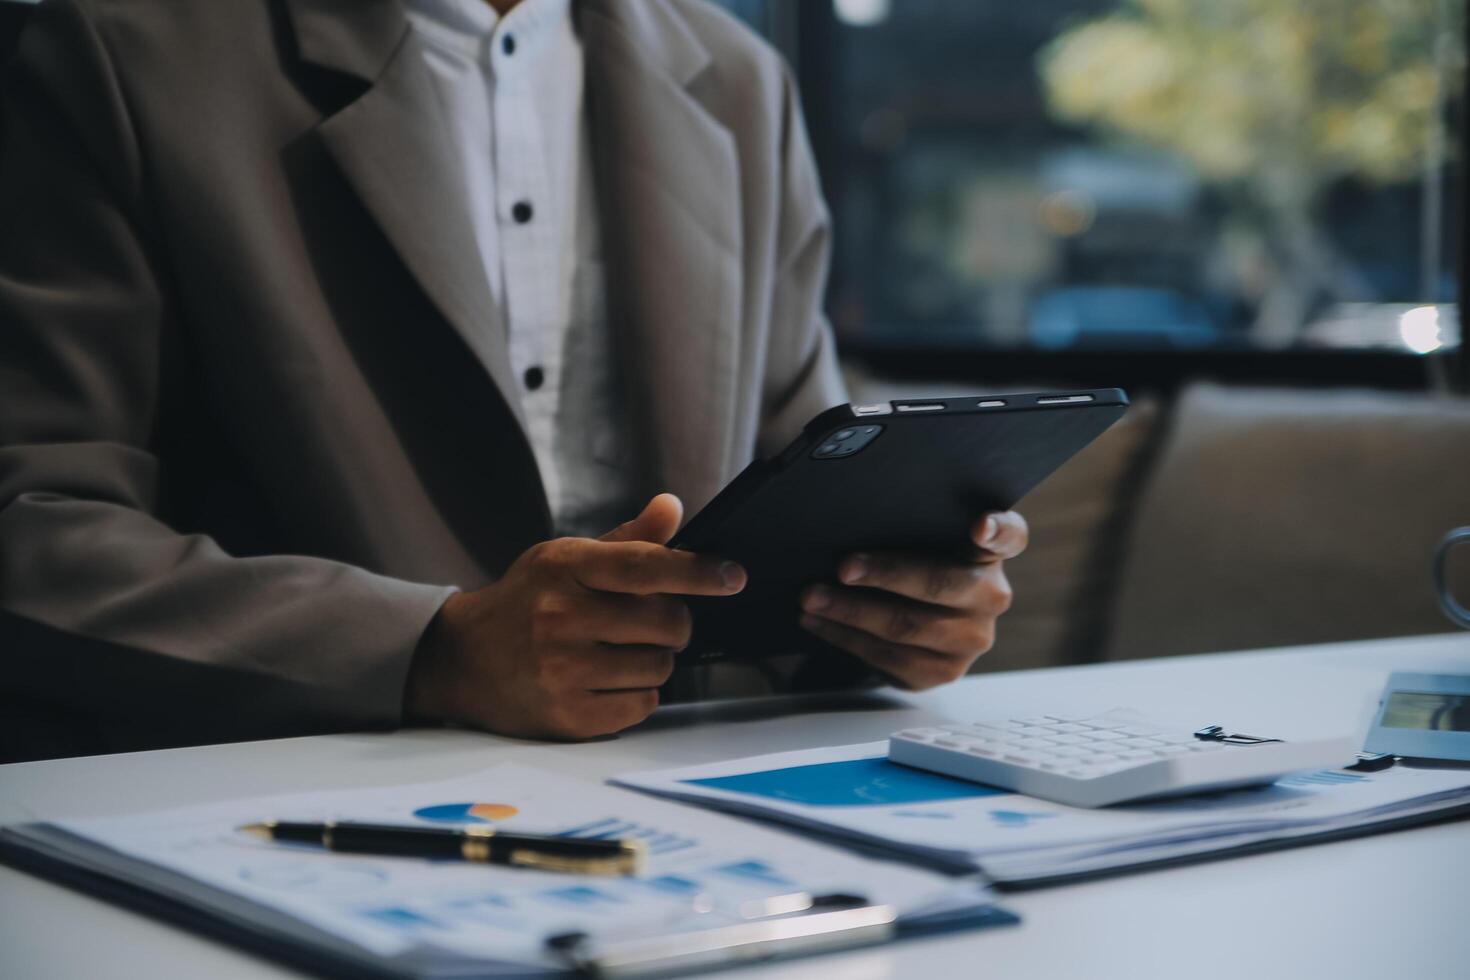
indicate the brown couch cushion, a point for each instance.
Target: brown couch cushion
{"x":1282,"y":516}
{"x":1066,"y":581}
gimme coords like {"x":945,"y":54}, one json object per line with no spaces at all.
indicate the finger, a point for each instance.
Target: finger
{"x":956,"y":584}
{"x":911,"y":667}
{"x":600,"y":713}
{"x":612,"y":711}
{"x":903,"y":621}
{"x":628,"y":668}
{"x":644,"y":568}
{"x":1001,"y":535}
{"x":657,"y":523}
{"x":606,"y":617}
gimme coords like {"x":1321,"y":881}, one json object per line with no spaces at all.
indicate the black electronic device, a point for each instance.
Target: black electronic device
{"x":908,"y":475}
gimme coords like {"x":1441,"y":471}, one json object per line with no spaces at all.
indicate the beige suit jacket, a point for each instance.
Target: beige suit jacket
{"x":256,"y":415}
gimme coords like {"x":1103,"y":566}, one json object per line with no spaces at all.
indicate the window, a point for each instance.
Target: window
{"x":1187,"y":181}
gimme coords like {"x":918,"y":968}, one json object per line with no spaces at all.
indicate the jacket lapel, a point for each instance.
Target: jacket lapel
{"x":668,"y":187}
{"x":393,"y":144}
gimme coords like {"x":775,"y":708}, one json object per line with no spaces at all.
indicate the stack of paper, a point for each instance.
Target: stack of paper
{"x":411,"y":917}
{"x":854,"y":792}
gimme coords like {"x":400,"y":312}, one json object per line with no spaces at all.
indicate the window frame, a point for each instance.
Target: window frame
{"x":803,"y":31}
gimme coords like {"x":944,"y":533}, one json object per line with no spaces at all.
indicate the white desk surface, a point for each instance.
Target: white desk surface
{"x":1388,"y":906}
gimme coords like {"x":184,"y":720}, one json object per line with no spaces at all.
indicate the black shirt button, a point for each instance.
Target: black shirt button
{"x":522,"y":212}
{"x":534,"y":377}
{"x":508,"y":44}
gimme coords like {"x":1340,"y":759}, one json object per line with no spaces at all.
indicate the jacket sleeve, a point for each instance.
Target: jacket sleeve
{"x":802,"y":376}
{"x":163,"y":635}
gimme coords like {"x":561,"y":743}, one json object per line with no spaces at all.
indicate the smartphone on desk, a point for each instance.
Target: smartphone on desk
{"x":907,"y":475}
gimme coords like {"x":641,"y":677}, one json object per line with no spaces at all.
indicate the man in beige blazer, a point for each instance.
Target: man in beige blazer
{"x":263,"y":464}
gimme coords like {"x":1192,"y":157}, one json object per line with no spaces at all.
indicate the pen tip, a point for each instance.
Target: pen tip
{"x":261,"y":830}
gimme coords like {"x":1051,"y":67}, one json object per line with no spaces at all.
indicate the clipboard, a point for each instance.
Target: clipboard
{"x":714,"y":893}
{"x":811,"y":933}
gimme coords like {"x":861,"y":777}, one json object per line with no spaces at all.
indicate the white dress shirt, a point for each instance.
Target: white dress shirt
{"x":512,"y":91}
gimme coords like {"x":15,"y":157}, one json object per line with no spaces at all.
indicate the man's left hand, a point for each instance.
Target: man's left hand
{"x":921,"y":621}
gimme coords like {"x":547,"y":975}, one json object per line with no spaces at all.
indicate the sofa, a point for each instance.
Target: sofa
{"x":1227,"y":518}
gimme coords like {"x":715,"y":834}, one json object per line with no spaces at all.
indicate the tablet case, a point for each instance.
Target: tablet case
{"x":918,"y":483}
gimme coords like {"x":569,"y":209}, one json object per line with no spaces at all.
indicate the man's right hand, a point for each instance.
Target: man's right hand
{"x":574,"y":640}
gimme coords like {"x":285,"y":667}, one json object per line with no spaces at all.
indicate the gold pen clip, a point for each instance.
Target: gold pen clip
{"x":476,"y":843}
{"x":630,"y":862}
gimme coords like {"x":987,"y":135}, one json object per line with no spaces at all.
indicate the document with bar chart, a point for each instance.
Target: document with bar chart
{"x":855,"y":792}
{"x":420,"y":917}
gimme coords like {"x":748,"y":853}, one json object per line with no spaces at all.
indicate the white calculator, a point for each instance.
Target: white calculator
{"x":1110,"y":757}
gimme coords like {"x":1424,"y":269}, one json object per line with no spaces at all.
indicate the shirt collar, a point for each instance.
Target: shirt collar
{"x":471,"y":25}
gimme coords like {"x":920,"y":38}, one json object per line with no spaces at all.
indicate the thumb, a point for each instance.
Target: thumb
{"x":658,"y":522}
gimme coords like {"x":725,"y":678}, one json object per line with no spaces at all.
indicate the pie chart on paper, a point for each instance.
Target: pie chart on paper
{"x":466,"y":812}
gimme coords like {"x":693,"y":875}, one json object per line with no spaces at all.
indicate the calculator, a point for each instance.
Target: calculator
{"x":1115,"y":756}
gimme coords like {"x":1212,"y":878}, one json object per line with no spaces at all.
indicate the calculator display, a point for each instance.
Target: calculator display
{"x":1426,"y":711}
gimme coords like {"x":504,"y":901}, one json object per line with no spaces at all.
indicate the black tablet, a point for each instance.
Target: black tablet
{"x":910,"y":475}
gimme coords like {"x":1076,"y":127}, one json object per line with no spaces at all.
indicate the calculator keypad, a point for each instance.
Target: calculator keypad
{"x":1080,"y":748}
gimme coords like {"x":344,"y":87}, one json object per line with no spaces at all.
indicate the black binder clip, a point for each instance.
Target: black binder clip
{"x":775,"y":928}
{"x":1217,"y":733}
{"x":744,"y":943}
{"x":1372,"y":762}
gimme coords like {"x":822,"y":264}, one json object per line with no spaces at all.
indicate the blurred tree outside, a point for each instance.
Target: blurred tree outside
{"x":1272,"y":102}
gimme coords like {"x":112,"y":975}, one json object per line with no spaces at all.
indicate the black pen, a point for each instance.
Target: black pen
{"x":484,"y":844}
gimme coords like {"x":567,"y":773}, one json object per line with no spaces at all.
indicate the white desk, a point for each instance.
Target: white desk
{"x":1388,"y":906}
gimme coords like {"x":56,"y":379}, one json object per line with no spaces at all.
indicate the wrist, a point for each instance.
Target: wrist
{"x":429,"y":674}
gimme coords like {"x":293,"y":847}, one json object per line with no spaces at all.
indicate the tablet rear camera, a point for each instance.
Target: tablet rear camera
{"x":846,"y":442}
